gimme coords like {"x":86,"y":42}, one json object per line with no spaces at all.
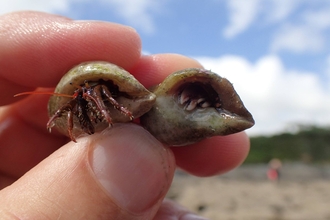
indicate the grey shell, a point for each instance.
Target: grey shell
{"x":173,"y":125}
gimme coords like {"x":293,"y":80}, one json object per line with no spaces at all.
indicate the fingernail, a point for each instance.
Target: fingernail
{"x":132,"y":166}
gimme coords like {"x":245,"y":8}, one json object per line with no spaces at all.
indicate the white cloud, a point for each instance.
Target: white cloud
{"x":137,"y":13}
{"x":242,"y":14}
{"x":276,"y":96}
{"x":278,"y":10}
{"x":327,"y":71}
{"x":306,"y":35}
{"x":298,"y":39}
{"x":300,"y":25}
{"x":320,"y":19}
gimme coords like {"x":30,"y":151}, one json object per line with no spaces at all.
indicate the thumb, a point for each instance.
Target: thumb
{"x":121,"y":173}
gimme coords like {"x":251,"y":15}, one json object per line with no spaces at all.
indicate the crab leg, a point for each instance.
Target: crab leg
{"x":70,"y":125}
{"x":68,"y":107}
{"x":107,"y":93}
{"x":84,"y":120}
{"x":95,"y":96}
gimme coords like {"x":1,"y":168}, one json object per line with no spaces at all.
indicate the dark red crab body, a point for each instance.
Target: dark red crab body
{"x":102,"y":94}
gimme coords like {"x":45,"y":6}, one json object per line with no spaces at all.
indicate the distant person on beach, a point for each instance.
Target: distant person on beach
{"x":273,"y":172}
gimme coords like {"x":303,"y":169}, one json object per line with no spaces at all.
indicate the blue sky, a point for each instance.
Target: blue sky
{"x":276,"y":52}
{"x":209,"y":28}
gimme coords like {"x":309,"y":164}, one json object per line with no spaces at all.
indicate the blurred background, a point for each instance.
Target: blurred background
{"x":277,"y":55}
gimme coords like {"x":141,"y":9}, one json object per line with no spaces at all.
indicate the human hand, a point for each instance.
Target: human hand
{"x":121,"y":173}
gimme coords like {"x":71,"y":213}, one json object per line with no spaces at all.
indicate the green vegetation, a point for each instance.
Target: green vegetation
{"x":309,"y":144}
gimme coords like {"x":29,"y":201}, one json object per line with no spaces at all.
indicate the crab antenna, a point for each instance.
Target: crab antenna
{"x":43,"y":93}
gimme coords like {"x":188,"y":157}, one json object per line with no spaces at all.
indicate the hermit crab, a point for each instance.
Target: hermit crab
{"x":188,"y":106}
{"x":93,"y":96}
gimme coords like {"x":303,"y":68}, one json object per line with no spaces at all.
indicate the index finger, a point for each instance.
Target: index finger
{"x":38,"y":48}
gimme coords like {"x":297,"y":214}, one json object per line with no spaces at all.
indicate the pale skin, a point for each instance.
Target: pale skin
{"x":36,"y":50}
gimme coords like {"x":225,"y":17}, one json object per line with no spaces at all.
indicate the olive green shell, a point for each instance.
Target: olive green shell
{"x":173,"y":125}
{"x":137,"y":100}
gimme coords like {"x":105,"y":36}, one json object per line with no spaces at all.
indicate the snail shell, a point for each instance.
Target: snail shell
{"x":193,"y":104}
{"x":132,"y":95}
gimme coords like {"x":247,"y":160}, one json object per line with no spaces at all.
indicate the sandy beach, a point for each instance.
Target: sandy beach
{"x":303,"y":193}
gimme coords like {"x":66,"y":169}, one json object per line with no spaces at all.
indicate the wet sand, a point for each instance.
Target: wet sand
{"x":303,"y":193}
